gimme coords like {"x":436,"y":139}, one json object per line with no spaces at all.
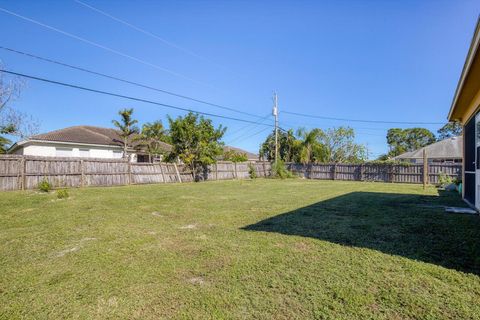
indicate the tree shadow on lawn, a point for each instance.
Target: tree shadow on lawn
{"x":408,"y":225}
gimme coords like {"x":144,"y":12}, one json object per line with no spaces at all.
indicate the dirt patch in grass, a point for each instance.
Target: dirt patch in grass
{"x":189,"y":227}
{"x":75,"y":248}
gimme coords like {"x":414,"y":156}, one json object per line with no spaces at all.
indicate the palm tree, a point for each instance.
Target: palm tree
{"x":310,"y":149}
{"x":152,"y":136}
{"x":127,"y":128}
{"x":291,"y":146}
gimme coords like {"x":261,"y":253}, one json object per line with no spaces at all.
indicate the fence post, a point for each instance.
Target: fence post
{"x":82,"y":174}
{"x":178,"y":173}
{"x":216,"y":171}
{"x":334,"y":171}
{"x":161,"y":171}
{"x":22,"y":172}
{"x":235,"y":170}
{"x":425,"y":168}
{"x":129,"y":171}
{"x":264,"y":169}
{"x":362,"y":171}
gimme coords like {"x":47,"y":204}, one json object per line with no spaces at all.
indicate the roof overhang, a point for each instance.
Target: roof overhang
{"x":469,"y":82}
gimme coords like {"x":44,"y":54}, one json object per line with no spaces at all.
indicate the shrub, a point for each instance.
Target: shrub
{"x":44,"y":185}
{"x":251,"y":171}
{"x":62,"y":194}
{"x":279,"y":170}
{"x":444,"y":179}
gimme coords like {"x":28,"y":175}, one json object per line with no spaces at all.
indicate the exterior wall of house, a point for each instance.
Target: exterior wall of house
{"x":69,"y":150}
{"x":469,"y":150}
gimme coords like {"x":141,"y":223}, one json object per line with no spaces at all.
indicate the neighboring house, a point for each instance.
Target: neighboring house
{"x":465,"y":108}
{"x":250,"y":156}
{"x":445,"y":151}
{"x":80,"y":141}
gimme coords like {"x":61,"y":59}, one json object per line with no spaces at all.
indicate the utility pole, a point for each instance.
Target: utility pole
{"x":275,"y":114}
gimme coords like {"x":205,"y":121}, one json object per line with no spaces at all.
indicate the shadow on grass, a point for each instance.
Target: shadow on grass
{"x":412,"y":226}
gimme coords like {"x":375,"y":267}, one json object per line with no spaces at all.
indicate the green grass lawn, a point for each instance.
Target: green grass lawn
{"x":265,"y":249}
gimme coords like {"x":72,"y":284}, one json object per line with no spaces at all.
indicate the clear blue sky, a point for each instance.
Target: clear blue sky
{"x":380,"y":60}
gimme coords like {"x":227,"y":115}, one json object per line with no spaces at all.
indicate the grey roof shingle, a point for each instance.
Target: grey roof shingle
{"x":450,"y":148}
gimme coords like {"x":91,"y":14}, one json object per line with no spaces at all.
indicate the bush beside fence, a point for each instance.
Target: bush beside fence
{"x":25,"y":172}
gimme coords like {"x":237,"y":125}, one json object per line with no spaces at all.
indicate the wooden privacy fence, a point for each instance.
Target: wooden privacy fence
{"x":400,"y":173}
{"x":25,"y":172}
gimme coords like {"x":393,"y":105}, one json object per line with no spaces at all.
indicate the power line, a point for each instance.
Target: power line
{"x":128,"y":97}
{"x":146,"y":32}
{"x":249,"y":125}
{"x":126,"y":81}
{"x":95,"y":44}
{"x":302,"y":124}
{"x":356,"y":120}
{"x":248,"y":137}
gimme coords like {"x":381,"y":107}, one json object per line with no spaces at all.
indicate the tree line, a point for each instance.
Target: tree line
{"x":411,"y":139}
{"x":315,"y":146}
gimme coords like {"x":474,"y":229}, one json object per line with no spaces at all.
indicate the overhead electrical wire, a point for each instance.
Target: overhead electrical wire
{"x":146,"y":32}
{"x":188,"y":78}
{"x":248,"y":137}
{"x":31,"y":55}
{"x":249,"y":125}
{"x":357,"y":120}
{"x":98,"y":45}
{"x":64,"y":84}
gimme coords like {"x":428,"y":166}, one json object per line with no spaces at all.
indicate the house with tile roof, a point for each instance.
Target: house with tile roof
{"x":81,"y":141}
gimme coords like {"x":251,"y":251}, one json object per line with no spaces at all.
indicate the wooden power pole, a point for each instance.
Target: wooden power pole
{"x":275,"y":114}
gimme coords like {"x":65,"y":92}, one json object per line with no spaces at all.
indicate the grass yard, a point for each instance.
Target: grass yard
{"x":264,"y":249}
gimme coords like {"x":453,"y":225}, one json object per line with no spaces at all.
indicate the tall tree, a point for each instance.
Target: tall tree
{"x":340,"y":146}
{"x":127,"y":127}
{"x":404,"y":140}
{"x":152,"y":137}
{"x":287,"y":145}
{"x":196,"y":142}
{"x":309,"y":147}
{"x":451,"y":129}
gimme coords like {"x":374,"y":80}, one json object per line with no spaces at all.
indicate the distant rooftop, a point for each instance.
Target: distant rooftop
{"x":250,"y":155}
{"x":86,"y":135}
{"x":450,"y":148}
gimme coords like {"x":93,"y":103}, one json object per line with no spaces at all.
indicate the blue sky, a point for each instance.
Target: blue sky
{"x":377,"y":60}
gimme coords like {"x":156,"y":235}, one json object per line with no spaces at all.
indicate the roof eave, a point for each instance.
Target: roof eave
{"x":466,"y":68}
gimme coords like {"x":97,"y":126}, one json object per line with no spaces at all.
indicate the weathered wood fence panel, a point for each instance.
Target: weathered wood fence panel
{"x":376,"y":172}
{"x":11,"y":173}
{"x":25,"y":172}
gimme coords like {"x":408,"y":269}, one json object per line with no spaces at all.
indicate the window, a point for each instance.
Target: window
{"x":63,"y":152}
{"x":84,"y":153}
